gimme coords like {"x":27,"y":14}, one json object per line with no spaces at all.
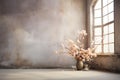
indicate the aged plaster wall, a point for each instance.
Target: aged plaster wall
{"x":107,"y":62}
{"x":117,"y":26}
{"x":31,"y":31}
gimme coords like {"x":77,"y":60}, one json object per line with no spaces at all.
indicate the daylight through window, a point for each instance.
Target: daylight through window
{"x":104,"y":26}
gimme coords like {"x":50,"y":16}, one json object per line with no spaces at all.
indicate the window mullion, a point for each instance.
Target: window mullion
{"x":102,"y":25}
{"x":99,"y":29}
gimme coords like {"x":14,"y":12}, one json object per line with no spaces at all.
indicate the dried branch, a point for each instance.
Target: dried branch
{"x":77,"y":50}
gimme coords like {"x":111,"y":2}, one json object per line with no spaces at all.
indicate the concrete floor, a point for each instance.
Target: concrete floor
{"x":55,"y":74}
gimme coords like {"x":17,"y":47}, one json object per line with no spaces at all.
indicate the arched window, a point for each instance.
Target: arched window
{"x":103,"y":26}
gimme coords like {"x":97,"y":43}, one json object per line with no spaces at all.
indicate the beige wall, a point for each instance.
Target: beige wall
{"x":117,"y":26}
{"x":31,"y":31}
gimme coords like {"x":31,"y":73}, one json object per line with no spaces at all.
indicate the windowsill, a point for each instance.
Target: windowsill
{"x":108,"y":55}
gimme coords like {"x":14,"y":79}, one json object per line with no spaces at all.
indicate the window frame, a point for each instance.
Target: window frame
{"x":102,"y":26}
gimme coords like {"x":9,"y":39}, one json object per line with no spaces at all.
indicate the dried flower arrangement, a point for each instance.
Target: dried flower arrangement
{"x":76,"y":48}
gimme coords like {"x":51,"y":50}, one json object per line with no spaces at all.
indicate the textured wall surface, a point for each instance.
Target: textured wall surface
{"x":107,"y":62}
{"x":117,"y":26}
{"x":31,"y":31}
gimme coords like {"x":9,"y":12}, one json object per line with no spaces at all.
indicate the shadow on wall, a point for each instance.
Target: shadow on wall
{"x":18,"y":6}
{"x":107,"y":62}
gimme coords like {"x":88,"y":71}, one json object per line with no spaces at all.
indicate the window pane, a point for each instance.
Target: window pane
{"x":105,"y":19}
{"x":105,"y":10}
{"x":105,"y":30}
{"x":106,"y":48}
{"x":98,"y":4}
{"x":97,"y":13}
{"x":104,"y":2}
{"x":105,"y":39}
{"x":109,"y":1}
{"x":111,"y":17}
{"x":110,"y":7}
{"x":98,"y":40}
{"x":111,"y":38}
{"x":97,"y":21}
{"x":98,"y":49}
{"x":111,"y":48}
{"x":98,"y":31}
{"x":103,"y":22}
{"x":111,"y":28}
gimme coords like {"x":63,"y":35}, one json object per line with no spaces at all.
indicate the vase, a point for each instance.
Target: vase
{"x":79,"y":65}
{"x":86,"y":67}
